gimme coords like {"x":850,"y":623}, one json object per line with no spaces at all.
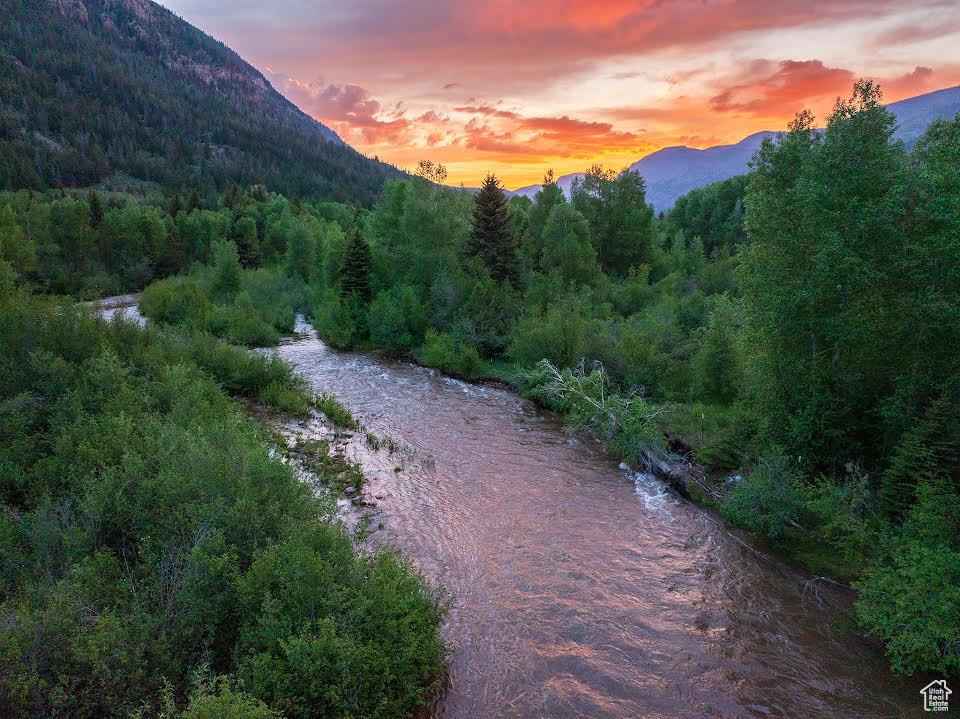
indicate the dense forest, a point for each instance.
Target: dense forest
{"x":794,"y":330}
{"x":123,"y":92}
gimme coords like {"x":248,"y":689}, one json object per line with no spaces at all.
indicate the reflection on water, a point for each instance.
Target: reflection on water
{"x":579,"y":588}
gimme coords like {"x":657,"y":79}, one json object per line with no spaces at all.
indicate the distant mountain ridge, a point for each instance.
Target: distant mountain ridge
{"x":100,"y":89}
{"x":675,"y":171}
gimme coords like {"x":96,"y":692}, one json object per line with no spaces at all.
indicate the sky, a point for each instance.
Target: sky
{"x":518,"y":88}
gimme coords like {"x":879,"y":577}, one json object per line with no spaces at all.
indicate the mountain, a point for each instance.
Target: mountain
{"x":674,"y":171}
{"x":97,"y":90}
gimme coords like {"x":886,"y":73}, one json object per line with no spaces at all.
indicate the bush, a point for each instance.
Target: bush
{"x":398,"y":320}
{"x":175,"y":301}
{"x":335,"y":412}
{"x":277,"y":298}
{"x":557,"y":334}
{"x":769,"y":500}
{"x":443,"y":352}
{"x":284,"y":398}
{"x":911,"y":591}
{"x":148,"y":532}
{"x":217,"y":700}
{"x":341,"y":321}
{"x":311,"y":646}
{"x":240,"y":323}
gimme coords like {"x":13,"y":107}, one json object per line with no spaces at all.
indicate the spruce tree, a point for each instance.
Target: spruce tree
{"x":490,"y":239}
{"x":355,"y":275}
{"x":175,"y":205}
{"x":195,"y":202}
{"x":96,"y":209}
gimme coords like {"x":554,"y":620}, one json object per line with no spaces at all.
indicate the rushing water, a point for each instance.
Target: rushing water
{"x":578,"y":589}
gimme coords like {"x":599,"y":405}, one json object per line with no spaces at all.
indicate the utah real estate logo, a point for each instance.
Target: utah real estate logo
{"x":936,"y":696}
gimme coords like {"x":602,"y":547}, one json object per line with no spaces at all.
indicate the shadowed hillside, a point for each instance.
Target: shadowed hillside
{"x":96,"y":89}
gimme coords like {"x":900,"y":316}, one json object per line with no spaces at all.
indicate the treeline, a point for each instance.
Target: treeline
{"x":126,"y":92}
{"x":90,"y":243}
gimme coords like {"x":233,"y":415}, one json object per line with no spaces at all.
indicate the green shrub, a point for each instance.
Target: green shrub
{"x":286,"y":399}
{"x":443,"y":352}
{"x":175,"y":300}
{"x":911,"y":590}
{"x":769,"y":500}
{"x":147,"y":532}
{"x":311,"y":646}
{"x":341,"y":321}
{"x":277,"y":297}
{"x":217,"y":700}
{"x":335,"y":412}
{"x":240,"y":323}
{"x":398,"y":320}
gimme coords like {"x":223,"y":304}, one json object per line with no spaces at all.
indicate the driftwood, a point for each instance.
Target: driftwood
{"x":684,"y":476}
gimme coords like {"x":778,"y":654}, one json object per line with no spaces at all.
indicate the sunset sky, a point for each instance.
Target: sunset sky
{"x":518,"y":88}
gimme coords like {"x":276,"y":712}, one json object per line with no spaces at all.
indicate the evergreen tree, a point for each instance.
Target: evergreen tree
{"x":490,"y":239}
{"x":96,"y":209}
{"x":195,"y":202}
{"x":175,"y":205}
{"x":355,"y":276}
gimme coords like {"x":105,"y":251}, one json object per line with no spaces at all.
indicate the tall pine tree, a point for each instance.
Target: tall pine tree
{"x":355,"y":275}
{"x":490,"y":239}
{"x":96,"y":209}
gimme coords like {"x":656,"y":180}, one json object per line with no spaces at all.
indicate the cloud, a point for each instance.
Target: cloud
{"x":917,"y":32}
{"x":349,"y":109}
{"x":769,"y":88}
{"x":500,"y":84}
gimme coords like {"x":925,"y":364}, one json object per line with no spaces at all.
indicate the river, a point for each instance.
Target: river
{"x":578,"y":588}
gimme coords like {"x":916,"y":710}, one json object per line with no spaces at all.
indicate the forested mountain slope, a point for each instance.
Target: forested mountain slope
{"x":98,"y":89}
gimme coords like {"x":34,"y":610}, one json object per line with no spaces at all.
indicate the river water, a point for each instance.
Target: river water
{"x":580,"y":589}
{"x":577,"y":588}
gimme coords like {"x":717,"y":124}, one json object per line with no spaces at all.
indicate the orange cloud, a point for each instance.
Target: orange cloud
{"x":776,"y":88}
{"x":519,"y":87}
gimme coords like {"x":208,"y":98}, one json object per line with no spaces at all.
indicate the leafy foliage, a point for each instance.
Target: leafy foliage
{"x":150,"y":537}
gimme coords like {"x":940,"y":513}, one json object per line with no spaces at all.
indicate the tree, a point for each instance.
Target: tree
{"x":822,"y":278}
{"x":15,"y":248}
{"x":195,"y":202}
{"x":548,"y":196}
{"x":355,"y":275}
{"x":566,"y":246}
{"x":300,"y":232}
{"x":227,"y":275}
{"x":245,"y":237}
{"x":491,"y":241}
{"x":621,"y":222}
{"x":174,"y":206}
{"x":96,"y":209}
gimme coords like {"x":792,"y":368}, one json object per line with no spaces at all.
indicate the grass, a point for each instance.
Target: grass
{"x":335,"y":411}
